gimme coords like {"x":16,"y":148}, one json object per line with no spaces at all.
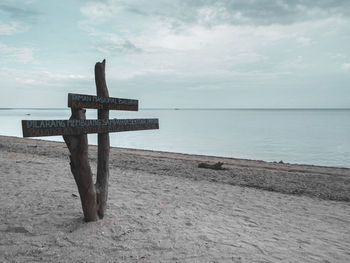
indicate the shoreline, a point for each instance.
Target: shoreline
{"x":187,"y":156}
{"x":325,"y":182}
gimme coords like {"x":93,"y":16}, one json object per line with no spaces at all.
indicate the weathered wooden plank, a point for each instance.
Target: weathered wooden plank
{"x":38,"y":128}
{"x":102,"y":103}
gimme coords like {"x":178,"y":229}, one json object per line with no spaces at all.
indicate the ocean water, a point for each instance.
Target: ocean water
{"x":319,"y":137}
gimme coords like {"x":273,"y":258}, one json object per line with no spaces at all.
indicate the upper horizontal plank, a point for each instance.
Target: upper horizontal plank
{"x":38,"y":128}
{"x":104,"y":103}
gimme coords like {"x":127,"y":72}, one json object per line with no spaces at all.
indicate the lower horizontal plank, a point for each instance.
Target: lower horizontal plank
{"x":38,"y":128}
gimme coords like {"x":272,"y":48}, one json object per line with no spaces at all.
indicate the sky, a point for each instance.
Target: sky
{"x":177,"y":53}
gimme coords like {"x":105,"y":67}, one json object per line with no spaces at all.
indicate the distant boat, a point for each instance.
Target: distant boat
{"x":28,"y":114}
{"x":176,"y":109}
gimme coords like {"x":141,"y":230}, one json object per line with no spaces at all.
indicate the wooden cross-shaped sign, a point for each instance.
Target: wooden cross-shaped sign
{"x":74,"y":131}
{"x":38,"y":128}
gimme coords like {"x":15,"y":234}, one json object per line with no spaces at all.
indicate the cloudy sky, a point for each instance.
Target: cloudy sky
{"x":178,"y":53}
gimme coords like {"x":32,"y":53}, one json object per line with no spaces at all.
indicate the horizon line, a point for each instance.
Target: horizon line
{"x":179,"y":108}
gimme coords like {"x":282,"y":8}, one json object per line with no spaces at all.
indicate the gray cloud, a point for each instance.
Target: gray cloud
{"x":255,"y":12}
{"x":118,"y":47}
{"x":19,"y":13}
{"x":273,"y":12}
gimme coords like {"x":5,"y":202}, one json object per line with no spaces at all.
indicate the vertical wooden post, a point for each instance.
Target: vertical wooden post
{"x":103,"y":144}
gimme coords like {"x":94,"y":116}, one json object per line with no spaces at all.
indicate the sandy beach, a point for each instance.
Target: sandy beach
{"x":163,"y":208}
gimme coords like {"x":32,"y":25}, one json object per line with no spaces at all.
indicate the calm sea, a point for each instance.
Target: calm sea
{"x":320,"y":137}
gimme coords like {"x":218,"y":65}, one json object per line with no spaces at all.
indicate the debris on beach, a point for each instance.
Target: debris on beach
{"x":215,"y":166}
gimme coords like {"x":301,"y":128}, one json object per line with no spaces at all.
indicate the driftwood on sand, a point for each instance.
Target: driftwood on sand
{"x":215,"y":166}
